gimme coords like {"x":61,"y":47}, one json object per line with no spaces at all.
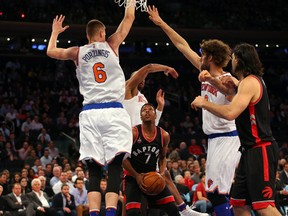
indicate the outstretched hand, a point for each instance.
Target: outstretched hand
{"x":160,"y":98}
{"x":171,"y":71}
{"x":57,"y":24}
{"x":154,"y":15}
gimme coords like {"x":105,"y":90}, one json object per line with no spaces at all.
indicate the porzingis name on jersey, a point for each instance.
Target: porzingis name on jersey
{"x":211,"y":89}
{"x":94,"y":53}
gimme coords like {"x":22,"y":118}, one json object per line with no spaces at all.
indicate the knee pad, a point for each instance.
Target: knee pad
{"x":95,"y":172}
{"x":217,"y":199}
{"x":114,"y":173}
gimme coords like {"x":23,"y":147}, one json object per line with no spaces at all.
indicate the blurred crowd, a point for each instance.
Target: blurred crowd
{"x":219,"y":14}
{"x":40,"y":101}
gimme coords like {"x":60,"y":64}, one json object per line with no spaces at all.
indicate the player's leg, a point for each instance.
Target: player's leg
{"x":94,"y":195}
{"x":222,"y":159}
{"x":133,"y":196}
{"x":113,"y":185}
{"x":263,"y":171}
{"x":182,"y":207}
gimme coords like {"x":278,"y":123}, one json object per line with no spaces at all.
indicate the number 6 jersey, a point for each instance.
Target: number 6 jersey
{"x":101,"y":78}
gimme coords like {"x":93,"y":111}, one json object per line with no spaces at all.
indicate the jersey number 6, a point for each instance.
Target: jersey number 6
{"x":99,"y":74}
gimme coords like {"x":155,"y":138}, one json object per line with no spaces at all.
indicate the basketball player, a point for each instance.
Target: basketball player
{"x":105,"y":128}
{"x":223,"y":142}
{"x":133,"y":102}
{"x":149,"y":149}
{"x":134,"y":99}
{"x":255,"y":176}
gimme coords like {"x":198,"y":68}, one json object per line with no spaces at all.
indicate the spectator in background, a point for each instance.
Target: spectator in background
{"x":62,"y":180}
{"x":40,"y":200}
{"x":64,"y":202}
{"x":46,"y":158}
{"x":26,"y":125}
{"x":46,"y":188}
{"x":200,"y":198}
{"x":284,"y":174}
{"x":196,"y":172}
{"x":31,"y":158}
{"x":182,"y":188}
{"x":3,"y":183}
{"x":39,"y":150}
{"x":56,"y":174}
{"x":81,"y":199}
{"x":53,"y":151}
{"x":18,"y":204}
{"x":174,"y":171}
{"x":43,"y":138}
{"x":183,"y":151}
{"x":24,"y":151}
{"x":187,"y":179}
{"x":24,"y":185}
{"x":194,"y":149}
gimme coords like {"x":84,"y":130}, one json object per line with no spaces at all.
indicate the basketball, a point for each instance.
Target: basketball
{"x":154,"y":182}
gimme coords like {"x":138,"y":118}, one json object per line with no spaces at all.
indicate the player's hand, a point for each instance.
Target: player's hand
{"x":160,"y":98}
{"x":172,"y":72}
{"x":139,"y":179}
{"x":154,"y":15}
{"x":204,"y":76}
{"x":198,"y":103}
{"x":228,"y":82}
{"x":57,"y":24}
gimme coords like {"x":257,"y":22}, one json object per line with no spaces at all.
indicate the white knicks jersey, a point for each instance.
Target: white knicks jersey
{"x":101,"y":78}
{"x":213,"y":124}
{"x":133,"y":107}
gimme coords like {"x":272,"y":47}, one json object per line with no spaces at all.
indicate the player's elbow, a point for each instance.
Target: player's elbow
{"x":130,"y":18}
{"x":230,"y":116}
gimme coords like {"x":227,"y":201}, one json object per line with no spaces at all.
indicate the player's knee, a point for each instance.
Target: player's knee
{"x":133,"y":212}
{"x":217,"y":199}
{"x":95,"y":172}
{"x":114,"y":172}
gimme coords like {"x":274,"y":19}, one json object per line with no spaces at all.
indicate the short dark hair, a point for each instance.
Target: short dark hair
{"x":63,"y":185}
{"x":148,"y":104}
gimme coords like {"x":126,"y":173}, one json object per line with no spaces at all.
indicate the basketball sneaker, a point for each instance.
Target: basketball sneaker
{"x":189,"y":212}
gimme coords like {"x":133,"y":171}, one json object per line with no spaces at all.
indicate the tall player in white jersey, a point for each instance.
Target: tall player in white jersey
{"x":134,"y":100}
{"x":223,"y":142}
{"x":105,"y":128}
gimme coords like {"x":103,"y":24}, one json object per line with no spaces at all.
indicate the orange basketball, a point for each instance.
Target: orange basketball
{"x":154,"y":182}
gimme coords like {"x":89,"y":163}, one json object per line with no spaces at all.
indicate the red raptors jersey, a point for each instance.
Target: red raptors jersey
{"x":145,"y":152}
{"x":253,"y":124}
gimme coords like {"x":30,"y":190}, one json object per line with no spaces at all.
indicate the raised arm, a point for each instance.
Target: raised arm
{"x":180,"y":43}
{"x":123,"y":29}
{"x":60,"y":53}
{"x":140,"y":75}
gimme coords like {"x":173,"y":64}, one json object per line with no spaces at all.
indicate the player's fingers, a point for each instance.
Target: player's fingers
{"x":66,"y":27}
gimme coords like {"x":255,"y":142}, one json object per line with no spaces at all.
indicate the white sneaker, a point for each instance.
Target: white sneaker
{"x":189,"y":212}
